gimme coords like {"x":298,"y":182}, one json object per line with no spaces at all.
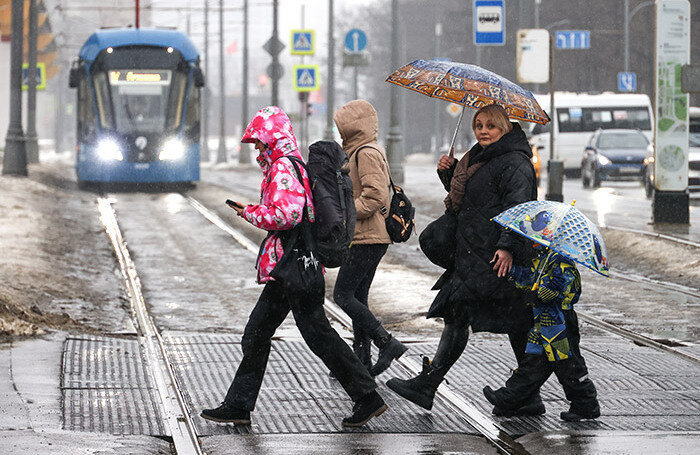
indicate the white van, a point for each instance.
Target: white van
{"x":579,"y":115}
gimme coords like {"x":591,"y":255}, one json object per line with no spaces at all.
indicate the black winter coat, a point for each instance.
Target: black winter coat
{"x":507,"y":178}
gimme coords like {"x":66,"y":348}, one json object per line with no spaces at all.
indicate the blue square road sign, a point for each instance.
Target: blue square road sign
{"x":627,"y":82}
{"x":306,"y":78}
{"x":302,"y":42}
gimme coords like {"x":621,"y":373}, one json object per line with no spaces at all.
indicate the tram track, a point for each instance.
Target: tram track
{"x":176,"y":413}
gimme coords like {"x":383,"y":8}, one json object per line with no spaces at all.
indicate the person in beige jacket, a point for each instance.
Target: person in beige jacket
{"x":358,"y":125}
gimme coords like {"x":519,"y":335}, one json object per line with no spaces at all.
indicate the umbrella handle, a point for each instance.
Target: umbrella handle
{"x":540,"y":268}
{"x":454,"y":136}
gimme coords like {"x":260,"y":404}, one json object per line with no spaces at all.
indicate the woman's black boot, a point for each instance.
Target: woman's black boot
{"x":389,"y":349}
{"x":421,"y":389}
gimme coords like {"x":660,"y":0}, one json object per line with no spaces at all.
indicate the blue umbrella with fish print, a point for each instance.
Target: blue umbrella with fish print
{"x":561,"y":228}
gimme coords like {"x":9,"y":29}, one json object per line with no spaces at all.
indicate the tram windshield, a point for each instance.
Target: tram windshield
{"x":142,"y":101}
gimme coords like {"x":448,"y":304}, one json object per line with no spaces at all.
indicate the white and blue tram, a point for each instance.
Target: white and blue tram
{"x":138,"y":107}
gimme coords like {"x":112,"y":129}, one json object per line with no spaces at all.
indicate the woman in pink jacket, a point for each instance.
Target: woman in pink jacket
{"x":283,"y":201}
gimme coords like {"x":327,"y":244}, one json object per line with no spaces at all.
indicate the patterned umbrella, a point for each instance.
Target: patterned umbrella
{"x":560,"y":227}
{"x":470,"y":86}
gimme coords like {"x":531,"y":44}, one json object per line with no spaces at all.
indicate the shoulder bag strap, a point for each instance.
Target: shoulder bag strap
{"x":388,"y":169}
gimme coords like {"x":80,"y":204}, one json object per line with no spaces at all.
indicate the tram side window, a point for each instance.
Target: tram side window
{"x":176,"y":100}
{"x":104,"y":104}
{"x":86,"y":112}
{"x":192,"y":114}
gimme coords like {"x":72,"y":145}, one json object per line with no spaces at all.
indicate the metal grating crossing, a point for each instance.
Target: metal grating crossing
{"x":297,"y":394}
{"x":105,"y":388}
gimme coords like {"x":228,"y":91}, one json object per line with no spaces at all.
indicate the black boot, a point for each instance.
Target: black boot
{"x":421,"y":389}
{"x":370,"y":405}
{"x":389,"y":349}
{"x":362,"y":346}
{"x":225,"y":413}
{"x":534,"y":407}
{"x":574,"y":415}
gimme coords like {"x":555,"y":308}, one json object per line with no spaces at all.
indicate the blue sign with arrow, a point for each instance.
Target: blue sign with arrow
{"x":355,"y":40}
{"x":573,"y":39}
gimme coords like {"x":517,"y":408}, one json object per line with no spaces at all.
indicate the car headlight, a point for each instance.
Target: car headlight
{"x":173,"y":149}
{"x":603,"y":160}
{"x":108,"y":150}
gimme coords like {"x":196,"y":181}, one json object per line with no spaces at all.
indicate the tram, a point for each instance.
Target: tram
{"x":138,"y":116}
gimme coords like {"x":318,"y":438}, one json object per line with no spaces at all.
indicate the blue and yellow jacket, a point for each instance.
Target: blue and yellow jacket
{"x":559,"y":289}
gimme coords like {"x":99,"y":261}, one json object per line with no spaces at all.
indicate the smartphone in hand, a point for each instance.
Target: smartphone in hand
{"x":234,"y":204}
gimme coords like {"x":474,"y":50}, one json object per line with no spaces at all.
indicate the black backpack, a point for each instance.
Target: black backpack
{"x":399,"y":223}
{"x":334,"y":226}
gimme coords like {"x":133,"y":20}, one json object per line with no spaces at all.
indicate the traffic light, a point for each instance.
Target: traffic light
{"x":309,"y":109}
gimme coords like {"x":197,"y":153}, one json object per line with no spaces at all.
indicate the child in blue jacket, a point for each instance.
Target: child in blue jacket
{"x":553,"y":341}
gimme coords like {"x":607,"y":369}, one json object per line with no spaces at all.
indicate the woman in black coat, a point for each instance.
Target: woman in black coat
{"x":494,"y":175}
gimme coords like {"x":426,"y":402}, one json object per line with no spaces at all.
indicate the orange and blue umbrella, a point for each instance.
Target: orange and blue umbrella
{"x":470,"y":86}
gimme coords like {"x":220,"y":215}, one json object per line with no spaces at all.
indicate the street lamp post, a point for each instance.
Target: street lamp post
{"x":244,"y":155}
{"x":31,"y":145}
{"x":15,"y":158}
{"x":204,"y":149}
{"x":275,"y":54}
{"x":221,"y":152}
{"x":628,"y":18}
{"x":394,"y":138}
{"x":330,"y":89}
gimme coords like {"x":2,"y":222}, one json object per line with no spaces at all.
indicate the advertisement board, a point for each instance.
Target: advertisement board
{"x":671,"y":116}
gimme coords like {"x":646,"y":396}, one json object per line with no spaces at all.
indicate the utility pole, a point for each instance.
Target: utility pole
{"x":275,"y":55}
{"x":204,"y":149}
{"x":15,"y":158}
{"x":393,"y":140}
{"x":537,"y":13}
{"x":32,"y":146}
{"x":138,"y":14}
{"x":330,"y":89}
{"x":244,"y":156}
{"x":555,"y":167}
{"x":221,"y":152}
{"x":437,"y":127}
{"x":627,"y":35}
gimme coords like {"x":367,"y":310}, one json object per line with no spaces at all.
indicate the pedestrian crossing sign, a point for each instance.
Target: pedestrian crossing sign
{"x":302,"y":42}
{"x":305,"y":78}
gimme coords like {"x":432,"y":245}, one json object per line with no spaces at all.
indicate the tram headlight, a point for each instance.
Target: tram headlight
{"x":173,"y":149}
{"x":108,"y":150}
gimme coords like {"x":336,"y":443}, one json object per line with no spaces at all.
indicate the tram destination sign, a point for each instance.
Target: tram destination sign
{"x":122,"y":77}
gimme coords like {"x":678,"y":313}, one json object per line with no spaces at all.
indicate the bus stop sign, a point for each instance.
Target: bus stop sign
{"x":489,"y":22}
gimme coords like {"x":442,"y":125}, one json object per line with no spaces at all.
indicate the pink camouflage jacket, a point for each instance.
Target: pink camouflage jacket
{"x":282,"y":196}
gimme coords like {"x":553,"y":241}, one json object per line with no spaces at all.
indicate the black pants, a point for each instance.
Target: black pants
{"x":572,"y":374}
{"x":455,"y":336}
{"x":352,"y":289}
{"x":269,"y":312}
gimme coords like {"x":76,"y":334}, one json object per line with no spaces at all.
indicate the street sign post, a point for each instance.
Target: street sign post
{"x":355,"y":54}
{"x":303,"y":42}
{"x":627,"y":82}
{"x":489,"y":22}
{"x":532,"y":59}
{"x":40,"y":76}
{"x":306,"y":78}
{"x":573,"y":39}
{"x":671,"y":200}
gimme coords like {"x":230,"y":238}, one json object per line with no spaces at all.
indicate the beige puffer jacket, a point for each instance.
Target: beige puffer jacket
{"x":358,"y":126}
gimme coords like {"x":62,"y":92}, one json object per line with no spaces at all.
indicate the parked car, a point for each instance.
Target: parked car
{"x":693,"y":157}
{"x":614,"y":155}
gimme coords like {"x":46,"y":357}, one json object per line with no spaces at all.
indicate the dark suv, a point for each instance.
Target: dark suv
{"x":614,"y":155}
